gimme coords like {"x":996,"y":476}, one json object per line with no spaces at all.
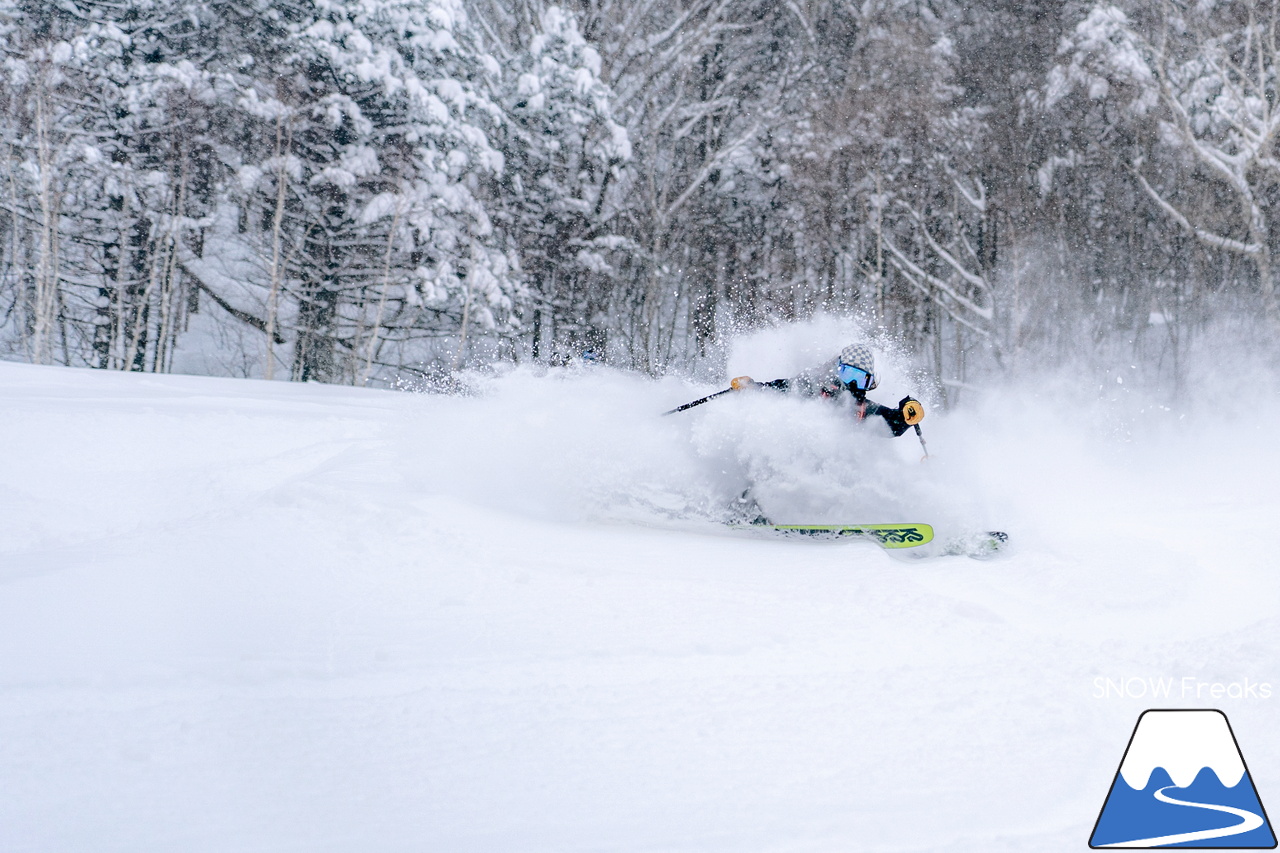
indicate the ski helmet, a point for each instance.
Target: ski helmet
{"x":859,"y":356}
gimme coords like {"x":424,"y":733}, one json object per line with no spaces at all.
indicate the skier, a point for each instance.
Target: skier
{"x":853,"y":371}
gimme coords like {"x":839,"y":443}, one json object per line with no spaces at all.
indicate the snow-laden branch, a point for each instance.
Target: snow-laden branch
{"x":918,"y":278}
{"x":716,"y":162}
{"x":977,"y":200}
{"x":986,"y":312}
{"x":1207,"y":237}
{"x":804,"y":21}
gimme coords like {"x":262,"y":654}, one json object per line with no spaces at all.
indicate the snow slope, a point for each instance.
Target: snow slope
{"x":238,"y":615}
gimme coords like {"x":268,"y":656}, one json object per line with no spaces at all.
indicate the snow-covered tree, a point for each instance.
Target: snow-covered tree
{"x":345,"y":190}
{"x":98,"y":178}
{"x":1196,"y":87}
{"x":886,"y":174}
{"x":376,"y":128}
{"x":564,"y":155}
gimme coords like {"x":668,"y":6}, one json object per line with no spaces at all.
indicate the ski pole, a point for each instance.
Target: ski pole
{"x":738,"y":384}
{"x":924,"y":446}
{"x":698,"y":402}
{"x":913,"y":414}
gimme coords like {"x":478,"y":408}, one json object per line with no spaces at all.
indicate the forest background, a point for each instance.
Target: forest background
{"x":386,"y":192}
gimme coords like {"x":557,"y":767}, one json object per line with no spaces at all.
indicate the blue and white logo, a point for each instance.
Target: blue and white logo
{"x":1183,"y":783}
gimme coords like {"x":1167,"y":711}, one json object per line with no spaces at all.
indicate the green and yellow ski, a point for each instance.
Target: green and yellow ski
{"x":886,"y":535}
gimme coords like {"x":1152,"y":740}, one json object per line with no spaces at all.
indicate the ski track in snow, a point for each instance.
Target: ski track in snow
{"x":238,"y":615}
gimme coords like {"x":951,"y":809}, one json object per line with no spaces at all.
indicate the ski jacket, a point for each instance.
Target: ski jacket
{"x":821,"y":383}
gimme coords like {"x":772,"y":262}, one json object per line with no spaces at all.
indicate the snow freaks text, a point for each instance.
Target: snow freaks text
{"x":1186,"y":687}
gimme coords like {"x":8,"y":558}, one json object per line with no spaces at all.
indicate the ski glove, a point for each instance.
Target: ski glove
{"x":912,"y":411}
{"x":741,"y":382}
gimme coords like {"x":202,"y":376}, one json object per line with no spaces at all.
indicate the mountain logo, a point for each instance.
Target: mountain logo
{"x":1183,"y":783}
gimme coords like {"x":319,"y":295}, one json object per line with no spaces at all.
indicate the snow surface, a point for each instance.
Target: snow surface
{"x":238,"y":615}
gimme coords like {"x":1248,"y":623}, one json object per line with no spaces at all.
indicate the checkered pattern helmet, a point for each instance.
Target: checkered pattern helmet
{"x":859,"y":355}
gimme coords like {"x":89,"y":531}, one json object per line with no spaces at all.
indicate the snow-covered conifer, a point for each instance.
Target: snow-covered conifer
{"x":564,"y":152}
{"x":99,"y":177}
{"x":375,"y":117}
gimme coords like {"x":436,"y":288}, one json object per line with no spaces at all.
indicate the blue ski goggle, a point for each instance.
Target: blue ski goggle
{"x":855,"y":377}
